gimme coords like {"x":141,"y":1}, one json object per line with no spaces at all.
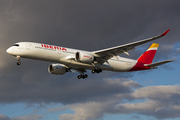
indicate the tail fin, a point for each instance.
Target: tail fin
{"x":148,"y":56}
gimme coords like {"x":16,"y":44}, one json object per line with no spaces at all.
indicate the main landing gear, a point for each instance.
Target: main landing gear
{"x":85,"y":75}
{"x":81,"y":71}
{"x":18,"y":60}
{"x":96,"y":71}
{"x":82,"y":76}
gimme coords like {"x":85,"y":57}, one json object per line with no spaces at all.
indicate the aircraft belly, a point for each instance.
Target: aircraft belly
{"x":76,"y":64}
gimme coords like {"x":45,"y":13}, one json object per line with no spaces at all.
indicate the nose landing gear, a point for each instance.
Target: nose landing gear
{"x":18,"y":60}
{"x":18,"y":63}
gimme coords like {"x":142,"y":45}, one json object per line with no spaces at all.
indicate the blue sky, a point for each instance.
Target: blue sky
{"x":29,"y":92}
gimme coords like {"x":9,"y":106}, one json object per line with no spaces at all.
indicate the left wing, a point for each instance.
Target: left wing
{"x":105,"y":54}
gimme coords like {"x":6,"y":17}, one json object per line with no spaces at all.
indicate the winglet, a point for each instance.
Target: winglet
{"x":165,"y":32}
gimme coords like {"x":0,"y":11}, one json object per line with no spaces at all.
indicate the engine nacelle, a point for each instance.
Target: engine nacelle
{"x":57,"y":69}
{"x":84,"y":57}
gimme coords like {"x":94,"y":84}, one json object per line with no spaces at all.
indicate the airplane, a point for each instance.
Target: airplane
{"x":71,"y":60}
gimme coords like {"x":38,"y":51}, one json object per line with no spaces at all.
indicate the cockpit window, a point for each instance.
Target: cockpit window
{"x":16,"y":45}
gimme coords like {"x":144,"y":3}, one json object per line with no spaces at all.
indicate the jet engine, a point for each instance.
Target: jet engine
{"x":57,"y":69}
{"x":84,"y":57}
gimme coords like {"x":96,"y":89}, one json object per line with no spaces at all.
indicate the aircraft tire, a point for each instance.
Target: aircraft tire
{"x":79,"y":76}
{"x":93,"y":71}
{"x":18,"y":63}
{"x":85,"y":75}
{"x":96,"y":71}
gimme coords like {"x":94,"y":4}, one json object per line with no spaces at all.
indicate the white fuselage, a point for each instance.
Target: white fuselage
{"x":70,"y":60}
{"x":66,"y":56}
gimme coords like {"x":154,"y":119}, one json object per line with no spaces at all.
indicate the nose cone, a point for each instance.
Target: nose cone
{"x":9,"y":50}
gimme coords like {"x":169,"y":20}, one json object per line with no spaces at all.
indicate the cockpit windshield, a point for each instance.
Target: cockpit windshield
{"x":16,"y":45}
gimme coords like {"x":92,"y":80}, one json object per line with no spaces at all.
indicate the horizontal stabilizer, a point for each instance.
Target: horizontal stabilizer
{"x":158,"y":63}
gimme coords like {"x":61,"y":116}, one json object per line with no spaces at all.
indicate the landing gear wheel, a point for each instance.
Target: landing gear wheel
{"x":85,"y":75}
{"x":79,"y":76}
{"x":82,"y":76}
{"x":93,"y":71}
{"x":96,"y":71}
{"x":18,"y":63}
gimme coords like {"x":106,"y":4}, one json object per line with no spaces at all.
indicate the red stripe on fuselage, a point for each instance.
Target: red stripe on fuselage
{"x":139,"y":66}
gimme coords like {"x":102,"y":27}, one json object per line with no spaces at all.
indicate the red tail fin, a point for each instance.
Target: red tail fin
{"x":148,"y":56}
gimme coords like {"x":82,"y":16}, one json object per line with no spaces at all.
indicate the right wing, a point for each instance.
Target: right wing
{"x":105,"y":54}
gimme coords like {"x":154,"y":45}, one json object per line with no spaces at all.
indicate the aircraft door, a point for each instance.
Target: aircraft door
{"x":58,"y":51}
{"x":28,"y":46}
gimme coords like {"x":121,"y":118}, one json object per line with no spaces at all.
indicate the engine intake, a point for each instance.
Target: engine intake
{"x":84,"y":57}
{"x":57,"y":69}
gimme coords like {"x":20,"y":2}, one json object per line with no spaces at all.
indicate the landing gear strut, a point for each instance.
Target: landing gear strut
{"x":96,"y":71}
{"x":18,"y":60}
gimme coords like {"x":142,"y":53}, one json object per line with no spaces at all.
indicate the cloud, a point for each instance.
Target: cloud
{"x":135,"y":117}
{"x":157,"y":101}
{"x":167,"y":47}
{"x":155,"y":92}
{"x":77,"y":91}
{"x":160,"y":101}
{"x":90,"y":110}
{"x":178,"y":50}
{"x":28,"y":117}
{"x":4,"y":117}
{"x":59,"y":108}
